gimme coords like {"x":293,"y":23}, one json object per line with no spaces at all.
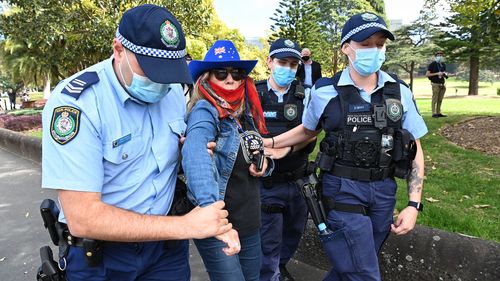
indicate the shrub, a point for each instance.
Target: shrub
{"x":21,"y":123}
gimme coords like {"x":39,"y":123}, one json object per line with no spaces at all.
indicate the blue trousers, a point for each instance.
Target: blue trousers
{"x":243,"y":266}
{"x":145,"y":261}
{"x":355,"y":241}
{"x":281,"y":232}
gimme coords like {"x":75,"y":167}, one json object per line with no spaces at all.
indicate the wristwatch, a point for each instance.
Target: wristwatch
{"x":418,"y":205}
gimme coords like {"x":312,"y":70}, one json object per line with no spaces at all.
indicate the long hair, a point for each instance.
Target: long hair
{"x":196,"y":94}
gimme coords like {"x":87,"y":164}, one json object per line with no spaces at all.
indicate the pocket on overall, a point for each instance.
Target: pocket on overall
{"x":338,"y":249}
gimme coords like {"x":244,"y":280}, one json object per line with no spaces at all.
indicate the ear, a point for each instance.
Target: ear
{"x":118,"y":50}
{"x":345,"y":49}
{"x":269,"y":62}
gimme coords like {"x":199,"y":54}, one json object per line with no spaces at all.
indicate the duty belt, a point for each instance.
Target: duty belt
{"x":285,"y":177}
{"x":361,"y":174}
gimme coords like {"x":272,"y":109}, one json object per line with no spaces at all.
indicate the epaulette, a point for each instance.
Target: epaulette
{"x":322,"y":82}
{"x":76,"y":86}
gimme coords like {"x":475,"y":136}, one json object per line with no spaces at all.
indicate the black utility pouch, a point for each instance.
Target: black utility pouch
{"x":403,"y":153}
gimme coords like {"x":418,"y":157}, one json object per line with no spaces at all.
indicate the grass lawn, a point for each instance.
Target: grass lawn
{"x":422,"y":87}
{"x":458,"y":178}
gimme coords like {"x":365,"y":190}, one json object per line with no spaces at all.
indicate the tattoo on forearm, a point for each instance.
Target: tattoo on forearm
{"x":414,"y":180}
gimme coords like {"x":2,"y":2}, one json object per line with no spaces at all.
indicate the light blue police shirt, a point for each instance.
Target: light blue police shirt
{"x":412,"y":120}
{"x":125,"y":149}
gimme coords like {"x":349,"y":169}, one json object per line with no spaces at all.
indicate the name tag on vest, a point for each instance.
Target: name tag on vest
{"x":359,"y":119}
{"x":359,"y":107}
{"x":270,"y":114}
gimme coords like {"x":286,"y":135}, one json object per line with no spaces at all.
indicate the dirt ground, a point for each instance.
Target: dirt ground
{"x":481,"y":134}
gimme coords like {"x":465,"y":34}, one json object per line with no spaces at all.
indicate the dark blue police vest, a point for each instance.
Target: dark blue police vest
{"x":363,"y":140}
{"x":281,"y":117}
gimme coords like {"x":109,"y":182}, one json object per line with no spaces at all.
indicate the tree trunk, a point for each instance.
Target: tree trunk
{"x":474,"y":75}
{"x":335,"y":61}
{"x":46,"y":88}
{"x":412,"y":67}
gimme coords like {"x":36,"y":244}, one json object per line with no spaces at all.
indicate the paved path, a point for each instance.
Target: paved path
{"x":22,"y":232}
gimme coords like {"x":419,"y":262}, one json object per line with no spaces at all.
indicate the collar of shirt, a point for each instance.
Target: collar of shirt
{"x":118,"y":89}
{"x":276,"y":92}
{"x":345,"y":80}
{"x":308,"y":62}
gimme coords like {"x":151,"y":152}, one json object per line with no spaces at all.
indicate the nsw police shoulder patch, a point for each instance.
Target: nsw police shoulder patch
{"x":64,"y":124}
{"x":394,"y":109}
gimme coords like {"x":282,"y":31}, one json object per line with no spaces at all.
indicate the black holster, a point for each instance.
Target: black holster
{"x":49,"y":270}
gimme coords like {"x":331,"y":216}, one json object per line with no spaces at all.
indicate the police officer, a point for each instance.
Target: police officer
{"x":111,"y":147}
{"x":372,"y":130}
{"x":284,"y":211}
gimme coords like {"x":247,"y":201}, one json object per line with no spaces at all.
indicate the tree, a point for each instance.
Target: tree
{"x":64,"y":36}
{"x":413,"y":44}
{"x":471,"y":33}
{"x":297,"y":20}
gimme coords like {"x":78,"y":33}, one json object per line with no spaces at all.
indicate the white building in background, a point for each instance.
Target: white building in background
{"x":396,"y":24}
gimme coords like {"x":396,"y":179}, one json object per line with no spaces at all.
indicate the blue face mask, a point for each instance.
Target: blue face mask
{"x":368,"y":61}
{"x":439,"y":58}
{"x":143,"y":89}
{"x":283,"y":76}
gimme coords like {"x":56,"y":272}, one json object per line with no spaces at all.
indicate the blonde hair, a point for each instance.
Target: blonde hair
{"x":196,"y":94}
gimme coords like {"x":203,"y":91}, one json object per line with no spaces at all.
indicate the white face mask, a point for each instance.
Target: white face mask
{"x":142,"y":88}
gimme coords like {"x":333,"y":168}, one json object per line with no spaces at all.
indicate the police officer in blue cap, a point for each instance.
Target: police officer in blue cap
{"x":372,"y":129}
{"x":111,"y":148}
{"x":283,"y":210}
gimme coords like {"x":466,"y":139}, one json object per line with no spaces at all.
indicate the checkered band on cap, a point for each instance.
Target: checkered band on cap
{"x":283,"y":50}
{"x":151,"y":52}
{"x":361,"y":28}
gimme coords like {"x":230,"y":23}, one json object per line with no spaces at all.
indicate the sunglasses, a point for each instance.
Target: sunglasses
{"x":221,"y":74}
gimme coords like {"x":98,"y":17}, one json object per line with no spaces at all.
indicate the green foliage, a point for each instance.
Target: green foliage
{"x":484,"y":75}
{"x":53,"y":38}
{"x":296,"y":20}
{"x":21,"y":112}
{"x":412,"y":46}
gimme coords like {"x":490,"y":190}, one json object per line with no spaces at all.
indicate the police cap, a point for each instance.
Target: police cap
{"x":284,"y":48}
{"x":156,"y":38}
{"x":361,"y":26}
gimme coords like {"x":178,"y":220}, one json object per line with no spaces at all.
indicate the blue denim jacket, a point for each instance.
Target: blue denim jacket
{"x":206,"y":175}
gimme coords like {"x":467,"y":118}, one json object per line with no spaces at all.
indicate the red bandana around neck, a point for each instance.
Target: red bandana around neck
{"x":228,"y":102}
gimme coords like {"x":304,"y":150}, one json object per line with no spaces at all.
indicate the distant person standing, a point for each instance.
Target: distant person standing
{"x":436,"y":72}
{"x":12,"y":99}
{"x":309,"y":71}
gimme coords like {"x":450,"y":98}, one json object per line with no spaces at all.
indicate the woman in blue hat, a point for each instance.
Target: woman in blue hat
{"x":225,"y":108}
{"x":372,"y":130}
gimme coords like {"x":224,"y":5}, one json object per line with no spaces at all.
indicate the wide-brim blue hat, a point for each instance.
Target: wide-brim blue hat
{"x":222,"y":54}
{"x":361,"y":26}
{"x":156,"y":38}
